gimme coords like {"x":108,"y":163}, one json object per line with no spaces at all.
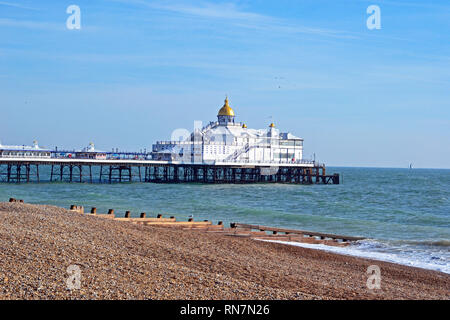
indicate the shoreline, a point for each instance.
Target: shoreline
{"x":121,"y":260}
{"x":372,"y":255}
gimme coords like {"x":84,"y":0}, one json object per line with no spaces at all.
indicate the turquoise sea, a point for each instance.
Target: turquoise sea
{"x":404,"y":213}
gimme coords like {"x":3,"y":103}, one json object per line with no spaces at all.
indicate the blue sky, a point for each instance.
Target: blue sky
{"x":139,"y":69}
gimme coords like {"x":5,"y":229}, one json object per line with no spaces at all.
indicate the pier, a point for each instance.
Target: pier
{"x":223,"y":151}
{"x":28,"y":170}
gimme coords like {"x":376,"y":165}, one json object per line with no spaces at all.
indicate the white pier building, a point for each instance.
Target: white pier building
{"x":228,"y":141}
{"x":33,"y":151}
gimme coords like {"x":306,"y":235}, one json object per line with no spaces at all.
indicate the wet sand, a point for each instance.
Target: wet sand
{"x":121,"y":260}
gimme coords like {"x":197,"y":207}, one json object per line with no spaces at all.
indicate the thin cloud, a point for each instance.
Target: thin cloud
{"x":30,"y":24}
{"x":413,"y":4}
{"x":227,"y":11}
{"x":16,"y":5}
{"x":236,"y":16}
{"x":39,"y":25}
{"x":286,"y":28}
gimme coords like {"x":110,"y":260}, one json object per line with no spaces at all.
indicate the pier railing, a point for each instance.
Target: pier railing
{"x":302,"y":161}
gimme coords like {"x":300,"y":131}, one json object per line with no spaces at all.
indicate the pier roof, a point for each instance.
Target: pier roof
{"x":34,"y":147}
{"x":226,"y":110}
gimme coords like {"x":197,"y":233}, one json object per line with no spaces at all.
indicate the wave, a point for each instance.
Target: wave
{"x":436,"y":243}
{"x":370,"y":249}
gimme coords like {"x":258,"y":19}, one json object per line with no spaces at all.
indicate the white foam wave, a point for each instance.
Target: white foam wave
{"x":367,"y":249}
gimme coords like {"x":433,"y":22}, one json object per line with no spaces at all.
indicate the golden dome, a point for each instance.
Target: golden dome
{"x":226,"y":110}
{"x":272,"y":125}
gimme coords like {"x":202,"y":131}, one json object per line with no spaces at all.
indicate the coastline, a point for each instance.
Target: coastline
{"x":121,"y":260}
{"x":355,"y":251}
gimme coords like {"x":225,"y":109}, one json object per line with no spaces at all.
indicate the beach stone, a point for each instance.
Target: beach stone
{"x":121,"y":260}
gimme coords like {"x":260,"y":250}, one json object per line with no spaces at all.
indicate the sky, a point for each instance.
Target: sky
{"x":136,"y":70}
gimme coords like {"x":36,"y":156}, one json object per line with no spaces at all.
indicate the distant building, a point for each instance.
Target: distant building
{"x":228,"y":141}
{"x":90,"y":153}
{"x":24,"y":151}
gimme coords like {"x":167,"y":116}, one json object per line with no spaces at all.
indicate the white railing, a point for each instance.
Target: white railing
{"x":237,"y":153}
{"x":303,"y":161}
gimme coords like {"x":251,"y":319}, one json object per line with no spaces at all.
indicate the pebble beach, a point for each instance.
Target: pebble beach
{"x":121,"y":260}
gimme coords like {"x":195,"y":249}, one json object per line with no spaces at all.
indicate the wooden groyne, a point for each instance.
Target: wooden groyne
{"x":256,"y":232}
{"x":308,"y":234}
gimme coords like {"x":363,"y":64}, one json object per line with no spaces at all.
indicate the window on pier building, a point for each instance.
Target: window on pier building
{"x":287,"y":143}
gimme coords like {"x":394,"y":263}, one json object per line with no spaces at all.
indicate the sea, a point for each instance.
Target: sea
{"x":403,"y":213}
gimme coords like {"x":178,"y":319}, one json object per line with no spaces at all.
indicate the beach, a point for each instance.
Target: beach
{"x":402,"y":213}
{"x":121,"y":260}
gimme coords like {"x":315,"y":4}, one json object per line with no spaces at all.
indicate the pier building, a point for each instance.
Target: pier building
{"x":24,"y":151}
{"x":91,"y":153}
{"x":226,"y":140}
